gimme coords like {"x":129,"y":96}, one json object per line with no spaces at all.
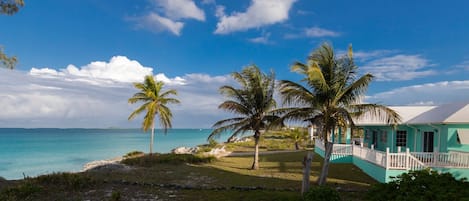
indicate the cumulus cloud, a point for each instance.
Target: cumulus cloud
{"x":313,"y":32}
{"x":87,"y":97}
{"x":424,"y":94}
{"x":399,"y":67}
{"x":118,"y":69}
{"x":260,"y":13}
{"x":169,"y":16}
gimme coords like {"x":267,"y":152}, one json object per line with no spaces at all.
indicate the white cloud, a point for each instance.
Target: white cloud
{"x":424,"y":94}
{"x":169,"y":16}
{"x":118,"y":69}
{"x":315,"y":32}
{"x":263,"y":39}
{"x":365,"y":56}
{"x":260,"y":13}
{"x":157,"y":23}
{"x":181,"y":9}
{"x":220,"y":11}
{"x":399,"y":67}
{"x":208,"y":2}
{"x":312,"y":32}
{"x":84,"y":98}
{"x":463,"y":65}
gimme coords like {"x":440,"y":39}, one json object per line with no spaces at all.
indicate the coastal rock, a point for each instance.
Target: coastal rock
{"x":218,"y":152}
{"x":244,"y":139}
{"x":185,"y":150}
{"x":109,"y":165}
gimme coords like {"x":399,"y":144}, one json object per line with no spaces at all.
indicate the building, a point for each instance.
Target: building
{"x":435,"y":137}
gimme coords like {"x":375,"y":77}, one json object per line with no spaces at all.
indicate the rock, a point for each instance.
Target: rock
{"x":108,"y":165}
{"x":218,"y":152}
{"x":244,"y":139}
{"x":185,"y":150}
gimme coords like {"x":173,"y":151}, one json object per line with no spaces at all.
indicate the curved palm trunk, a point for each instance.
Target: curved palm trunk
{"x":152,"y":137}
{"x":297,"y":146}
{"x":327,"y":156}
{"x":255,"y":164}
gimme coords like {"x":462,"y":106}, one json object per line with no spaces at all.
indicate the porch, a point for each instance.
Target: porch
{"x":381,"y":165}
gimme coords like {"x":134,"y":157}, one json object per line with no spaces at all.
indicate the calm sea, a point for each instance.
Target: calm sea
{"x":34,"y":152}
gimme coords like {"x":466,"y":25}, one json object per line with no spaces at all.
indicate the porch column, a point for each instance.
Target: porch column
{"x":339,"y":135}
{"x":348,"y":136}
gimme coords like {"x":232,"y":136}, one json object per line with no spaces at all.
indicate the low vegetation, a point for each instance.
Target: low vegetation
{"x":187,"y":177}
{"x":421,"y":185}
{"x":155,"y":159}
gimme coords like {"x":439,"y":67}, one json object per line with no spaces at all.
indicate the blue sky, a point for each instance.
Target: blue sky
{"x":91,"y":50}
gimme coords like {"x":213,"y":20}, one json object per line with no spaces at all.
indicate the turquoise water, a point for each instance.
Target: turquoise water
{"x":42,"y":151}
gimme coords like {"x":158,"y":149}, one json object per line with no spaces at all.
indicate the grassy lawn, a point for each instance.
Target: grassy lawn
{"x":187,"y":177}
{"x":229,"y":178}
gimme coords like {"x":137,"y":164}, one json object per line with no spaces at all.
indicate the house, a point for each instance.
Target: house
{"x":435,"y":137}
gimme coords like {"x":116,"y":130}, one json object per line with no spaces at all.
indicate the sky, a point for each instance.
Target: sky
{"x":78,"y":59}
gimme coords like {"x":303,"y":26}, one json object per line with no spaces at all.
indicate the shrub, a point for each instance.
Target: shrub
{"x":24,"y":191}
{"x":150,"y":160}
{"x":133,"y":154}
{"x":421,"y":185}
{"x":67,"y":181}
{"x":321,"y":193}
{"x":116,"y":196}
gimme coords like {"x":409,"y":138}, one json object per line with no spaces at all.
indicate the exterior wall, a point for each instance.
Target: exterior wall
{"x":376,"y":172}
{"x":451,"y":137}
{"x":444,"y":137}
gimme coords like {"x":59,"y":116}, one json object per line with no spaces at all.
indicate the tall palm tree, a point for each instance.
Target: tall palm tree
{"x":330,"y":96}
{"x":155,"y":102}
{"x":253,"y":103}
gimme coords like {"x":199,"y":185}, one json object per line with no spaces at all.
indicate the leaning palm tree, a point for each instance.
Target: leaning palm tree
{"x":330,"y":97}
{"x":155,"y":102}
{"x":253,"y":103}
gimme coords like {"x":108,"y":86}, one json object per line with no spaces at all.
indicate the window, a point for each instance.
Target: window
{"x":463,"y":136}
{"x":401,"y":138}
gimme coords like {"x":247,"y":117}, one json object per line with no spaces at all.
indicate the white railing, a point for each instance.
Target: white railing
{"x":371,"y":155}
{"x":337,"y":149}
{"x":402,"y":160}
{"x":451,"y":159}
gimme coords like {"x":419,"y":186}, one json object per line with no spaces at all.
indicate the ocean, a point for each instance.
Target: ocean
{"x":33,"y":152}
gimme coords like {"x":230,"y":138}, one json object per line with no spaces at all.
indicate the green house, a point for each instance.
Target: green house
{"x":435,"y":137}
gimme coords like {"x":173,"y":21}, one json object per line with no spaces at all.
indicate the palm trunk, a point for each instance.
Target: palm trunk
{"x":306,"y":171}
{"x":327,"y":155}
{"x":325,"y":166}
{"x":297,"y":146}
{"x":152,"y":137}
{"x":255,"y":164}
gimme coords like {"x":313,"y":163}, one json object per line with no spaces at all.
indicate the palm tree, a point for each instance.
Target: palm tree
{"x":331,"y":96}
{"x":253,"y":103}
{"x":154,"y":103}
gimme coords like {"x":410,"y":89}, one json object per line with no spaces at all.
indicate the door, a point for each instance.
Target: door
{"x":374,"y":139}
{"x":428,"y":141}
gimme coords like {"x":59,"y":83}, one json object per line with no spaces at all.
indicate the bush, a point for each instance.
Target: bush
{"x":23,"y":191}
{"x":133,"y":154}
{"x":68,"y":181}
{"x":321,"y":193}
{"x":421,"y":185}
{"x":150,"y":160}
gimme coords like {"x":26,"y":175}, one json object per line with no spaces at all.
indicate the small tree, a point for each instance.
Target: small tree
{"x":252,"y":103}
{"x":155,"y":102}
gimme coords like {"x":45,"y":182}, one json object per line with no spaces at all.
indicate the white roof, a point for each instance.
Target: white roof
{"x":448,"y":114}
{"x":406,"y":112}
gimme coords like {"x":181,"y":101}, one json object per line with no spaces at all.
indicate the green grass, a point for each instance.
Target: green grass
{"x":187,"y":177}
